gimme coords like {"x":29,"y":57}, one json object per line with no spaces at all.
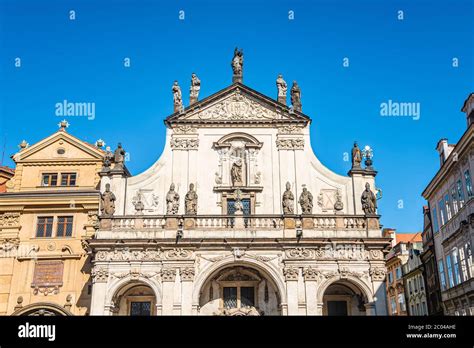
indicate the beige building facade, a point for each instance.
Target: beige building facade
{"x":49,"y":209}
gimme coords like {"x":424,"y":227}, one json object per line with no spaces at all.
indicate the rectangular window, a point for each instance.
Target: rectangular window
{"x":449,"y":266}
{"x":442,"y":214}
{"x":44,"y":226}
{"x":49,"y":179}
{"x":441,"y":275}
{"x":457,"y":275}
{"x":230,"y":297}
{"x":247,"y":296}
{"x":68,"y":179}
{"x":448,"y":206}
{"x":434,"y":218}
{"x":467,"y":178}
{"x":390,"y":277}
{"x":393,"y":304}
{"x":462,"y":261}
{"x":140,"y":308}
{"x":454,"y":199}
{"x":469,"y":260}
{"x":64,"y":226}
{"x":401,"y":301}
{"x":460,"y":194}
{"x":398,"y":272}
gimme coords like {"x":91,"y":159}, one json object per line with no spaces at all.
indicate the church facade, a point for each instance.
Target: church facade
{"x":238,"y":217}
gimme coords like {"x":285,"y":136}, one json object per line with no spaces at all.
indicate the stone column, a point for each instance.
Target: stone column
{"x":187,"y":278}
{"x":310,"y":279}
{"x":168,"y":276}
{"x":291,"y":278}
{"x":370,"y":309}
{"x":100,"y":277}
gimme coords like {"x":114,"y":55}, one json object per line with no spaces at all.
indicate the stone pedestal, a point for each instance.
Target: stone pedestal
{"x":171,"y":223}
{"x":106,"y":224}
{"x":308,"y":223}
{"x":289,"y":223}
{"x":189,"y":223}
{"x":282,"y":100}
{"x":192,"y":100}
{"x":237,"y":78}
{"x":239,"y":220}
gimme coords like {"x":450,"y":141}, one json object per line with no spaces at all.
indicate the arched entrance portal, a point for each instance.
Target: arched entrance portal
{"x":344,"y":298}
{"x":42,"y":309}
{"x":135,"y":299}
{"x":239,"y":290}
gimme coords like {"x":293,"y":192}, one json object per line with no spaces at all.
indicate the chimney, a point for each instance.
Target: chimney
{"x":390,"y":233}
{"x":444,"y":149}
{"x":468,"y":108}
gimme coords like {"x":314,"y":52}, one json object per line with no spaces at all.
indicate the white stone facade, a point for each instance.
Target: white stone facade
{"x":263,"y":262}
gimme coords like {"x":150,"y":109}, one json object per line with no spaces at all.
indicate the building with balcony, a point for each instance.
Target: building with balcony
{"x":238,"y":217}
{"x":450,"y":196}
{"x":49,"y":209}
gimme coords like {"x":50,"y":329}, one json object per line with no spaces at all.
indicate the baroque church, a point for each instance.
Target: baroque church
{"x":238,"y":217}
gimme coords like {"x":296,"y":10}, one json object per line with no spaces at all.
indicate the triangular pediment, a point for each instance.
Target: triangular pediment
{"x":71,"y":147}
{"x":237,"y":104}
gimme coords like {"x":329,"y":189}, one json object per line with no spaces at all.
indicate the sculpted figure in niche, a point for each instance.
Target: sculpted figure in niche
{"x":172,"y":201}
{"x":236,"y":173}
{"x":306,"y":201}
{"x":107,"y":200}
{"x":190,"y":201}
{"x":288,"y":200}
{"x":119,"y":156}
{"x":368,"y":200}
{"x":356,"y":156}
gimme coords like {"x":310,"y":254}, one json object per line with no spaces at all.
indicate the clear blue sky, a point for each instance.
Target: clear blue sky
{"x":81,"y":60}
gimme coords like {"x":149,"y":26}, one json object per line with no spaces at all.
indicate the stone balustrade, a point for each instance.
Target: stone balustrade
{"x":250,"y":222}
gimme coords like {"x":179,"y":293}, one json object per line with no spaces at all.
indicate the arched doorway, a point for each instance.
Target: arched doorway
{"x":239,"y":290}
{"x":344,"y":298}
{"x":134,"y":299}
{"x":42,"y":309}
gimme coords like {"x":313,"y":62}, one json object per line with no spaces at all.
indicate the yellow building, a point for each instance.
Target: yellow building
{"x":50,"y":208}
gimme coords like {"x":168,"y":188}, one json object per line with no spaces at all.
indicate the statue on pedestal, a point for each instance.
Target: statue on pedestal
{"x":177,"y":97}
{"x":172,"y":201}
{"x":296,"y":96}
{"x":107,"y":200}
{"x":288,"y":200}
{"x":195,"y":88}
{"x":306,"y":201}
{"x":356,"y":156}
{"x":119,"y":157}
{"x":368,"y":200}
{"x":282,"y":89}
{"x":190,"y":201}
{"x":238,"y":65}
